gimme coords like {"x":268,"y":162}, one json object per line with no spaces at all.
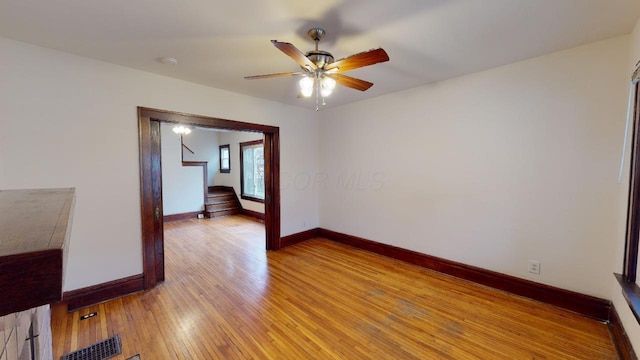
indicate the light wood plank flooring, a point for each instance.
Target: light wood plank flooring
{"x":226,"y":298}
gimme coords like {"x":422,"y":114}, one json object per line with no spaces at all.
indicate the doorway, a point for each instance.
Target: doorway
{"x":149,"y":121}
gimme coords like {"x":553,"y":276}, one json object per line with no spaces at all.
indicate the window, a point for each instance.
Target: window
{"x":225,"y":162}
{"x":628,"y":277}
{"x":252,"y":170}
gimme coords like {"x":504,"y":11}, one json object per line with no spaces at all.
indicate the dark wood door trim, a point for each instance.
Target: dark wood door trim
{"x":150,"y":206}
{"x":272,"y":189}
{"x":630,"y":266}
{"x":151,"y":181}
{"x":241,"y":153}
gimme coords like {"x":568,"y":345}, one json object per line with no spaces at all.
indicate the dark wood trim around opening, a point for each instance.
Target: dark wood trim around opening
{"x":241,"y":152}
{"x":272,"y":189}
{"x":632,"y":241}
{"x":631,"y":293}
{"x":151,"y":201}
{"x":627,"y":279}
{"x":226,"y":170}
{"x":251,"y":198}
{"x":151,"y":181}
{"x":76,"y":299}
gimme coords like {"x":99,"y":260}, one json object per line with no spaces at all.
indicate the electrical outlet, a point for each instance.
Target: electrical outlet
{"x":534,"y":266}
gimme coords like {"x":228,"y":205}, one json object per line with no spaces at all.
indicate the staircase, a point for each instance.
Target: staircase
{"x":221,"y":201}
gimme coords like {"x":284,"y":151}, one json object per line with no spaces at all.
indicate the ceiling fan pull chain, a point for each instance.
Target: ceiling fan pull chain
{"x":317,"y":93}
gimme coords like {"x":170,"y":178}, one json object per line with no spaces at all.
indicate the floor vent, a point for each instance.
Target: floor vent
{"x":100,"y":351}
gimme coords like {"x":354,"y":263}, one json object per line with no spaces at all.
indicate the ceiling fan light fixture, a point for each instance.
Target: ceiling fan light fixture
{"x":306,"y":86}
{"x":327,"y":85}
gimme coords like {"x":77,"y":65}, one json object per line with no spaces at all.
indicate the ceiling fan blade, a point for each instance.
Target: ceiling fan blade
{"x":351,"y":82}
{"x":295,"y":54}
{"x":359,"y":60}
{"x":266,"y":76}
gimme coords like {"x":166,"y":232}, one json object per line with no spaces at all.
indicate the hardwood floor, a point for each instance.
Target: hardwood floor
{"x":225,"y":297}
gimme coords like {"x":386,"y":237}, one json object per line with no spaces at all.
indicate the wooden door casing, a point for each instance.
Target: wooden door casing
{"x":149,"y":121}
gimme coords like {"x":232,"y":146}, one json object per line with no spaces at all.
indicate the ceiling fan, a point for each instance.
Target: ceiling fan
{"x":320,"y":71}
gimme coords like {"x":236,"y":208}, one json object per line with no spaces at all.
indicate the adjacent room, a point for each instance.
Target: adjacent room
{"x":346,"y":179}
{"x":211,"y":173}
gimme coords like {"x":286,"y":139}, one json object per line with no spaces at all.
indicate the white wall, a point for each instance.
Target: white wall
{"x":233,"y":139}
{"x":182,"y":186}
{"x":68,"y":121}
{"x":626,"y":316}
{"x":490,"y":169}
{"x":204,"y":144}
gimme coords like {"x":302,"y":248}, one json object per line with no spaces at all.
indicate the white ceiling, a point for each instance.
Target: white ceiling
{"x":219,"y":42}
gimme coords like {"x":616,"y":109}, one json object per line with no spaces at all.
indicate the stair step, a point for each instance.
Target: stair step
{"x":221,"y":201}
{"x":222,"y":212}
{"x":221,"y":205}
{"x":220,"y":197}
{"x":216,"y":193}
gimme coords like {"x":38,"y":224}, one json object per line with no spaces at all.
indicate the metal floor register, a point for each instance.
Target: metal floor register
{"x":99,"y":351}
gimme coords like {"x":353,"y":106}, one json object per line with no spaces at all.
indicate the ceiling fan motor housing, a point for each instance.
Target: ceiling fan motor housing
{"x":320,"y":58}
